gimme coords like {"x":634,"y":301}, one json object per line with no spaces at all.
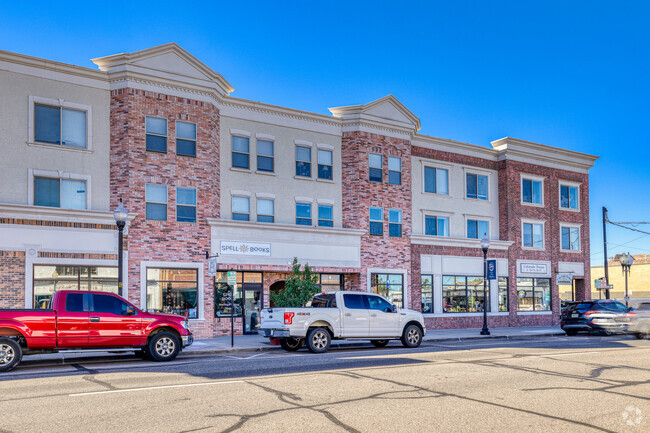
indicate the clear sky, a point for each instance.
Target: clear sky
{"x":571,"y":74}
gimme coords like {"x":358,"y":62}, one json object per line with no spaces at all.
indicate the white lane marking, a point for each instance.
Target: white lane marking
{"x":115,"y":391}
{"x":244,"y":357}
{"x":561,"y":354}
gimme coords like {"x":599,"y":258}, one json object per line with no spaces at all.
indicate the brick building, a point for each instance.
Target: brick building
{"x":364,"y":198}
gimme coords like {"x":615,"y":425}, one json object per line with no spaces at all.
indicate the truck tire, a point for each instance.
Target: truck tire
{"x":163,"y":346}
{"x":379,"y":343}
{"x":291,"y":344}
{"x":412,"y":336}
{"x":10,"y":354}
{"x":318,"y":340}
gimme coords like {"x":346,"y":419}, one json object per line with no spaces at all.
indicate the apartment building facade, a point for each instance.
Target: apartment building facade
{"x":364,"y":198}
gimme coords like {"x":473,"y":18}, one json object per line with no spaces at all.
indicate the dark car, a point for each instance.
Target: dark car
{"x":640,"y":320}
{"x":605,"y":316}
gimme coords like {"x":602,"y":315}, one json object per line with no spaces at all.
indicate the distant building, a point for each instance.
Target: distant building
{"x":638,"y":287}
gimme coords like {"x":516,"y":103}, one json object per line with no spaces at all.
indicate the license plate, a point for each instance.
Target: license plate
{"x":574,"y":315}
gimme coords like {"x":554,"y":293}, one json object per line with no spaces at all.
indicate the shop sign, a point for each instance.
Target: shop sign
{"x":212,"y":267}
{"x":245,"y":248}
{"x":491,"y":269}
{"x":564,"y":279}
{"x":533,"y":268}
{"x":232,"y":278}
{"x":522,"y":293}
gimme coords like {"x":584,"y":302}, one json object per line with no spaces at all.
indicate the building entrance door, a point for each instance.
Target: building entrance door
{"x":252,"y":307}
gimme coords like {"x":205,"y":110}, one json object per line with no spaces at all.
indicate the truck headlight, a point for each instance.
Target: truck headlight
{"x":185,"y":324}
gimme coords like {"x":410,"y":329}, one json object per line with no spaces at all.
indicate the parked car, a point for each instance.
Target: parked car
{"x":594,"y":316}
{"x":89,"y":320}
{"x":339,"y":315}
{"x":640,"y":320}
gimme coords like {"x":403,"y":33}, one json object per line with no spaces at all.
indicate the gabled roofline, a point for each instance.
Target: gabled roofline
{"x":354,"y":111}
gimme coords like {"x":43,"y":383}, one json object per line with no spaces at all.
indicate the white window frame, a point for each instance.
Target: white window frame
{"x":531,"y":221}
{"x":576,"y":185}
{"x":244,"y":194}
{"x":399,"y":158}
{"x":436,"y":166}
{"x":263,"y":137}
{"x":401,"y":218}
{"x":195,"y":206}
{"x":477,"y":172}
{"x":488,"y":220}
{"x":242,"y":134}
{"x":60,"y":103}
{"x":156,"y":202}
{"x":571,"y":226}
{"x":405,"y":281}
{"x":56,"y":174}
{"x":535,"y":178}
{"x":436,"y":214}
{"x":189,"y":265}
{"x":262,"y":196}
{"x":195,"y":140}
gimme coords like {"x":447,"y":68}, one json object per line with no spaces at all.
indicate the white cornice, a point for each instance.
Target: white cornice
{"x":357,"y":113}
{"x":534,"y":153}
{"x":16,"y":211}
{"x":453,"y":146}
{"x":246,"y":225}
{"x":445,"y":241}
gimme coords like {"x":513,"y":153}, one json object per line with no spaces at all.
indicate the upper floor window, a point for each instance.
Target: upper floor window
{"x":186,"y":205}
{"x":376,"y":221}
{"x":436,"y":180}
{"x":325,"y":215}
{"x":156,"y":202}
{"x":570,"y":238}
{"x":533,"y":235}
{"x":240,"y":152}
{"x":436,"y":226}
{"x":569,"y":197}
{"x":375,"y":170}
{"x":394,"y":170}
{"x":477,"y":186}
{"x":63,"y":193}
{"x":265,"y":210}
{"x":303,"y":161}
{"x":395,"y":223}
{"x":324,"y":164}
{"x":531,"y":191}
{"x":265,"y":156}
{"x":185,"y":138}
{"x":156,"y":129}
{"x":58,"y":125}
{"x":477,"y":229}
{"x":303,"y":214}
{"x":241,"y":208}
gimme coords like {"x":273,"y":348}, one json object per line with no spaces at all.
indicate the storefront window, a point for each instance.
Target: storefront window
{"x":173,"y":291}
{"x":534,"y":294}
{"x":462,"y":294}
{"x":50,"y":278}
{"x":331,"y":282}
{"x":222,"y":302}
{"x":503,"y":293}
{"x":391,"y":286}
{"x":427,"y":293}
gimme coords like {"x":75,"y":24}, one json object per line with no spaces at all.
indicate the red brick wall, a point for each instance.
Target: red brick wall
{"x":12,"y":279}
{"x":361,"y":194}
{"x":132,"y":167}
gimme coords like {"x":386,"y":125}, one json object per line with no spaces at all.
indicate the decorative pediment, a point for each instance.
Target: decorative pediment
{"x":386,"y":112}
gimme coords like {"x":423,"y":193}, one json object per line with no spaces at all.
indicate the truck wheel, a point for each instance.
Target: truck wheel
{"x":412,"y":336}
{"x":318,"y":340}
{"x":291,"y":344}
{"x":163,"y":347}
{"x":10,"y":354}
{"x":379,"y":343}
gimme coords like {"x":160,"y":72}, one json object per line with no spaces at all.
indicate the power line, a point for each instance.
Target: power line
{"x":628,"y":228}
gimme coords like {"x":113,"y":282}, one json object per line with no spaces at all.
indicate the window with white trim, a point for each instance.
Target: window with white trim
{"x":570,"y":238}
{"x":156,"y":202}
{"x":395,"y":223}
{"x":533,"y":235}
{"x":436,"y":180}
{"x":62,"y":193}
{"x":265,"y":159}
{"x":375,"y":167}
{"x":156,"y":134}
{"x":394,"y":170}
{"x":532,"y":191}
{"x":59,"y":125}
{"x":477,"y":186}
{"x":325,"y":164}
{"x":241,"y":208}
{"x":376,"y":221}
{"x":303,"y":214}
{"x":325,"y":215}
{"x":185,"y":138}
{"x":303,"y":161}
{"x":436,"y":225}
{"x":173,"y":291}
{"x":569,"y":197}
{"x":476,"y":229}
{"x":240,"y":152}
{"x":265,"y":210}
{"x":186,"y":205}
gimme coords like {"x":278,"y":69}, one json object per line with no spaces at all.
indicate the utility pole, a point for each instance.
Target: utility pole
{"x":605,"y":248}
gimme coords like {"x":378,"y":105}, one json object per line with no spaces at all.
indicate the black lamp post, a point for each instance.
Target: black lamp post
{"x":120,"y":215}
{"x":626,"y":262}
{"x":485,"y":245}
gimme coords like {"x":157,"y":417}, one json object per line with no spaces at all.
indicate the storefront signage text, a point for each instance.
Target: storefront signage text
{"x":245,"y":248}
{"x":533,"y":268}
{"x":564,"y":279}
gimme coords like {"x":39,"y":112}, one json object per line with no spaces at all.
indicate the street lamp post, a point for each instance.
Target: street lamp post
{"x":485,"y":245}
{"x":626,"y":262}
{"x":120,"y":214}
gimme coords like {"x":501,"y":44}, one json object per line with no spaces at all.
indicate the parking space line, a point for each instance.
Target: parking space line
{"x":187,"y":385}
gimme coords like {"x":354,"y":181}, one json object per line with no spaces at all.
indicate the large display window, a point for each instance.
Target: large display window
{"x":174,"y":291}
{"x":534,"y":294}
{"x":50,"y":278}
{"x":463,"y":294}
{"x":391,"y":286}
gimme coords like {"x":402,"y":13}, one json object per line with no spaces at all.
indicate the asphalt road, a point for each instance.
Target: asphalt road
{"x":564,"y":384}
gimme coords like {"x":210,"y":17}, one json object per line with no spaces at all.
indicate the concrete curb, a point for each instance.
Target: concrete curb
{"x":365,"y":344}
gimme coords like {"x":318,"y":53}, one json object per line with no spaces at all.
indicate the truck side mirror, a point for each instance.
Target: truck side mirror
{"x":393,"y":308}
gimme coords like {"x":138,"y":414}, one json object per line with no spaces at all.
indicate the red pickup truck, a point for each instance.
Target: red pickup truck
{"x":90,"y":320}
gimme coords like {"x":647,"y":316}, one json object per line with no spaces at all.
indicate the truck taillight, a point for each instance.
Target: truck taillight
{"x":288,"y":318}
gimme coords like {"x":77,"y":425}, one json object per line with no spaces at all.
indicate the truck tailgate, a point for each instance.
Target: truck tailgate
{"x":272,"y":318}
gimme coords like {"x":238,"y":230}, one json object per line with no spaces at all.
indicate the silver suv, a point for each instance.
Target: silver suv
{"x":640,"y":320}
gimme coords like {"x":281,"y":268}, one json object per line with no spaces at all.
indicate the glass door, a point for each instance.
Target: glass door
{"x":252,"y":307}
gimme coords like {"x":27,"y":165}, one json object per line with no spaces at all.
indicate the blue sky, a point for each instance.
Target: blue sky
{"x":567,"y":74}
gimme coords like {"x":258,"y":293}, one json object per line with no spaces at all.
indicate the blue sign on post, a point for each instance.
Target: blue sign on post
{"x":491,"y":269}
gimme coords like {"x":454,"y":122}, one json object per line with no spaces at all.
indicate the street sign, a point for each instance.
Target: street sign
{"x":600,"y":283}
{"x":232,"y":278}
{"x":491,"y":269}
{"x":212,"y":267}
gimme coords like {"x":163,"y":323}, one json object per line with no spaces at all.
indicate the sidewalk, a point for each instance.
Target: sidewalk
{"x":256,"y":343}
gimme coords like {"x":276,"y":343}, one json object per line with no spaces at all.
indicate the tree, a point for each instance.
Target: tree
{"x":299,"y":288}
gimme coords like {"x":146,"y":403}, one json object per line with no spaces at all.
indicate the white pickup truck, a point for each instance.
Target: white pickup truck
{"x":338,"y":315}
